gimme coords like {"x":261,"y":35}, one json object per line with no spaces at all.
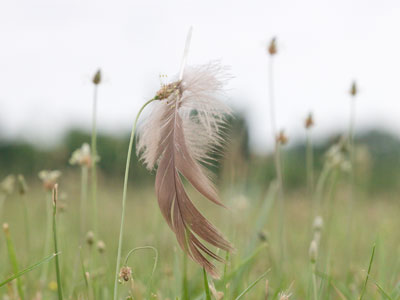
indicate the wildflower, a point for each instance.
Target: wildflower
{"x":272,"y":49}
{"x":49,"y":178}
{"x":353,"y":89}
{"x":22,"y":186}
{"x":7,"y":185}
{"x":281,"y":138}
{"x":125,"y":273}
{"x":187,"y":126}
{"x":309,"y":121}
{"x":101,"y":246}
{"x":82,"y":156}
{"x":313,"y":251}
{"x":90,"y":238}
{"x":167,"y":90}
{"x":97,"y":77}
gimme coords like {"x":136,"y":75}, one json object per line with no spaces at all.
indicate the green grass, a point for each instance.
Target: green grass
{"x":375,"y":218}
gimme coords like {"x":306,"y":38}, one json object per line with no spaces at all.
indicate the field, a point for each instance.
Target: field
{"x":306,"y":222}
{"x":251,"y":223}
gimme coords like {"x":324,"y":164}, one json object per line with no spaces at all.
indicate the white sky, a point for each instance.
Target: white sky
{"x":50,"y":50}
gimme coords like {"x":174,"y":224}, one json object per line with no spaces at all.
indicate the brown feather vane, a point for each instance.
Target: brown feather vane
{"x":179,"y":136}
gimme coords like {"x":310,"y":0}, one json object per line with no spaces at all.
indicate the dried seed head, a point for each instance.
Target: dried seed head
{"x":125,"y":273}
{"x":5,"y":227}
{"x":49,"y":178}
{"x":90,"y":238}
{"x":82,"y":156}
{"x":22,"y":186}
{"x":97,"y":77}
{"x":167,"y":90}
{"x":101,"y":246}
{"x":353,"y":89}
{"x":281,"y":138}
{"x":313,"y":252}
{"x":272,"y":49}
{"x":309,"y":121}
{"x":7,"y":185}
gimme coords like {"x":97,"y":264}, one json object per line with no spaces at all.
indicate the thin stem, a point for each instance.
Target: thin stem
{"x":124,"y":193}
{"x":28,"y":269}
{"x":26,"y":220}
{"x":272,"y":98}
{"x":206,"y":287}
{"x":314,"y":278}
{"x":154,"y":265}
{"x":84,"y":184}
{"x":13,"y":260}
{"x":320,"y":189}
{"x":368,"y":273}
{"x":277,"y":155}
{"x":47,"y":242}
{"x":58,"y":273}
{"x":94,"y":160}
{"x":310,"y":164}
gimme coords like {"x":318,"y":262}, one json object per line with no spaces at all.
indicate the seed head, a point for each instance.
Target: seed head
{"x":272,"y":49}
{"x":125,"y":273}
{"x":97,"y":77}
{"x":49,"y":178}
{"x":309,"y":121}
{"x":82,"y":156}
{"x":21,"y":184}
{"x":167,"y":90}
{"x":90,"y":238}
{"x":313,"y":252}
{"x":281,"y":138}
{"x":7,"y":185}
{"x":353,"y":89}
{"x":101,"y":246}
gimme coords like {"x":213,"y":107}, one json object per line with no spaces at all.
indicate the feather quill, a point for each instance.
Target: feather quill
{"x":184,"y":127}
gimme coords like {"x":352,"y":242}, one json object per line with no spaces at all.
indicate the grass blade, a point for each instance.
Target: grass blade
{"x":369,"y":271}
{"x":206,"y":287}
{"x":28,"y":269}
{"x":58,"y":274}
{"x":13,"y":259}
{"x":251,"y":286}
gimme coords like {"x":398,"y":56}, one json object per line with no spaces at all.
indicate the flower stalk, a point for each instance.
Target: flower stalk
{"x":124,"y":194}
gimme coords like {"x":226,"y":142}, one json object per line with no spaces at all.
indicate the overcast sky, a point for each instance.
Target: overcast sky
{"x":50,"y":50}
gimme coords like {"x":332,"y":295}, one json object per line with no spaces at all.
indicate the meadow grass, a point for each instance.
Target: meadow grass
{"x":253,"y":231}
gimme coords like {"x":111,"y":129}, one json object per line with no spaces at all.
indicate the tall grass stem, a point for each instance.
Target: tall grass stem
{"x":94,"y":160}
{"x":58,"y":273}
{"x":124,"y":193}
{"x":13,"y":259}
